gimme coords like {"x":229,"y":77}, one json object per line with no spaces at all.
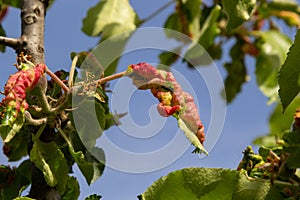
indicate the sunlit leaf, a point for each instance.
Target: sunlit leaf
{"x":209,"y":30}
{"x":8,"y":132}
{"x":289,"y":74}
{"x":206,"y":184}
{"x":237,"y":11}
{"x":108,"y":13}
{"x":191,"y":137}
{"x":273,"y":47}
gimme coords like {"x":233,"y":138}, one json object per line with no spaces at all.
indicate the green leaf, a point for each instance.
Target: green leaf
{"x":2,"y":33}
{"x":186,"y":19}
{"x":16,"y":148}
{"x":289,"y":74}
{"x":8,"y":131}
{"x":169,"y":57}
{"x":113,"y":15}
{"x":12,"y":182}
{"x":279,"y":121}
{"x":207,"y":184}
{"x":13,"y":3}
{"x":93,"y":197}
{"x":91,"y":164}
{"x":237,"y":73}
{"x":273,"y":46}
{"x":191,"y":137}
{"x":90,"y":167}
{"x":210,"y":29}
{"x":72,"y":190}
{"x":50,"y":160}
{"x":237,"y":11}
{"x":193,"y":183}
{"x":89,"y":121}
{"x":292,"y":148}
{"x":23,"y":198}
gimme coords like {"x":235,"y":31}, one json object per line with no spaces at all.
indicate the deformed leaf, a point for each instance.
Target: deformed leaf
{"x":107,"y":13}
{"x":191,"y":137}
{"x":289,"y":74}
{"x":53,"y":165}
{"x":237,"y":11}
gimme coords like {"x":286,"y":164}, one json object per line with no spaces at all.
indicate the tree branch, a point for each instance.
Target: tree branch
{"x":11,"y":42}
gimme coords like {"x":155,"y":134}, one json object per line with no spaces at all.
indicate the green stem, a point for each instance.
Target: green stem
{"x":40,"y":131}
{"x":62,"y":133}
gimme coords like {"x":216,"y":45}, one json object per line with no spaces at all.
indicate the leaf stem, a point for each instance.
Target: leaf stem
{"x":157,"y":12}
{"x":57,"y":80}
{"x":34,"y":122}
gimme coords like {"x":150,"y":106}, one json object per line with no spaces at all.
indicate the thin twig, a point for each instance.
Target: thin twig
{"x":34,"y":122}
{"x":110,"y":78}
{"x":57,"y":80}
{"x":10,"y":42}
{"x":72,"y":71}
{"x":157,"y":12}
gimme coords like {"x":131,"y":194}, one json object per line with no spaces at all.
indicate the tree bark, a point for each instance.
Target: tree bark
{"x":32,"y":29}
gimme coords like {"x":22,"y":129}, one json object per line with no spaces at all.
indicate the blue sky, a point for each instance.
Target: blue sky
{"x":246,"y":117}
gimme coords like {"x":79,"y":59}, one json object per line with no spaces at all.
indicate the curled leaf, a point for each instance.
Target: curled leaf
{"x":14,"y":104}
{"x":173,"y":100}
